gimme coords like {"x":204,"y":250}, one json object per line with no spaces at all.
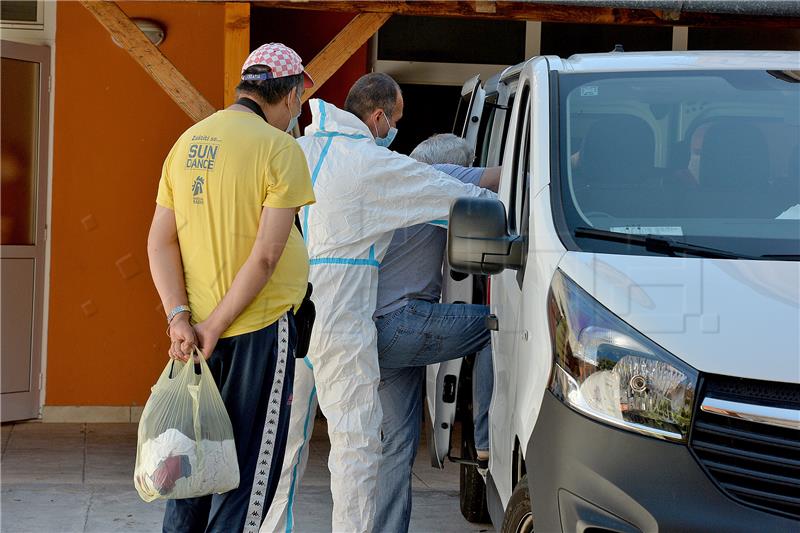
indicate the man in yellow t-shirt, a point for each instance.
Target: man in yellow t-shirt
{"x":230,"y":267}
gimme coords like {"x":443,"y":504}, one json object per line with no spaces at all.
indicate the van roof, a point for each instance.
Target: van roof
{"x":649,"y":61}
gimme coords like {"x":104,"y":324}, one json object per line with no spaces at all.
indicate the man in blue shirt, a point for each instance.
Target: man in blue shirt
{"x":414,"y":330}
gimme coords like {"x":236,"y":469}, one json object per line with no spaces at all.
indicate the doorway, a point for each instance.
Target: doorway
{"x":24,"y":132}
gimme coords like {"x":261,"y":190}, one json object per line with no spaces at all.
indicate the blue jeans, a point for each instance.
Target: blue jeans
{"x":419,"y":334}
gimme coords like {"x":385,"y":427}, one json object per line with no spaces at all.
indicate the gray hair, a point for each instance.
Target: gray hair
{"x":444,"y":148}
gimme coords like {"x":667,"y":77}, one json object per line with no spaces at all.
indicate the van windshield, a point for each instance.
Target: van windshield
{"x":706,"y":159}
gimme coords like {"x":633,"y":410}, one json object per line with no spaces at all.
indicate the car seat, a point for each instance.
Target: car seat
{"x":616,"y":162}
{"x":734,"y":172}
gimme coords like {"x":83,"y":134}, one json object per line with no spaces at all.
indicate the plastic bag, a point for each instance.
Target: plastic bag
{"x":185,"y":447}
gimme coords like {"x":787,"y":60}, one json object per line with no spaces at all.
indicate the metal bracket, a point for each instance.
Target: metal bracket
{"x":497,"y":106}
{"x":469,"y":462}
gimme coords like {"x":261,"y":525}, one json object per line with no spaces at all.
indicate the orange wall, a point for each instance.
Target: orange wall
{"x":113,"y":127}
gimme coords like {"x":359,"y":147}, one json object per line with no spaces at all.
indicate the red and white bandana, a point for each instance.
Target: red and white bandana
{"x":282,"y":61}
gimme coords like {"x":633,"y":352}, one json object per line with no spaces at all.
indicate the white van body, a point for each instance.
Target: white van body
{"x":735,"y":321}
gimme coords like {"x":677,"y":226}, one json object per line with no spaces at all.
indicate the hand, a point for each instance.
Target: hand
{"x":207,"y":337}
{"x":182,"y":337}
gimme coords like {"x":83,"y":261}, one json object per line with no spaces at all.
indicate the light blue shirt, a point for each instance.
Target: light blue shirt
{"x":412,"y":267}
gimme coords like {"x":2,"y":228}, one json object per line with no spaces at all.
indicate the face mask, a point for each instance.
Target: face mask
{"x":293,"y":120}
{"x":386,"y":141}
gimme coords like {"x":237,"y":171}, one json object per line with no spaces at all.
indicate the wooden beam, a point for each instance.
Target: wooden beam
{"x":150,"y":58}
{"x":483,"y":6}
{"x":545,"y":12}
{"x":342,"y":47}
{"x":237,"y":45}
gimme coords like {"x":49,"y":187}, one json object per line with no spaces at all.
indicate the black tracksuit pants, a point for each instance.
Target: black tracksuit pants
{"x":254,"y":373}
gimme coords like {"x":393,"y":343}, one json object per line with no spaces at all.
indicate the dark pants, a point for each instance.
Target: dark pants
{"x":254,"y":373}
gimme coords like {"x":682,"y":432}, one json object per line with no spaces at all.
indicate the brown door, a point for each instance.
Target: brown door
{"x":25,"y":102}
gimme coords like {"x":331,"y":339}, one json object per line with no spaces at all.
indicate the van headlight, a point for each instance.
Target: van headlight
{"x":607,"y":370}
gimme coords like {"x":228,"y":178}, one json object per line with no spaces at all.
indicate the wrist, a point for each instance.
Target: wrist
{"x":181,"y":317}
{"x":177,"y":311}
{"x":216,"y":325}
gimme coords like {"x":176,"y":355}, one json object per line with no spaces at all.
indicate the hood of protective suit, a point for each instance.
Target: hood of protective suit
{"x":329,"y":118}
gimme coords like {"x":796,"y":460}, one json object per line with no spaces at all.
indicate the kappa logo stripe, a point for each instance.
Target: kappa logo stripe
{"x":261,"y":478}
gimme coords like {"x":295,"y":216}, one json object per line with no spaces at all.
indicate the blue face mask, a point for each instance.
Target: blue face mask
{"x":292,"y":124}
{"x":293,"y":120}
{"x":386,"y":141}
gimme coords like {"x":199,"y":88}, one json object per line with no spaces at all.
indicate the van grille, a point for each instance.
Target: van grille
{"x":754,"y":463}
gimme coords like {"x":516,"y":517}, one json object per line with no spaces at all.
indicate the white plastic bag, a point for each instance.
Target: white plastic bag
{"x":185,"y":447}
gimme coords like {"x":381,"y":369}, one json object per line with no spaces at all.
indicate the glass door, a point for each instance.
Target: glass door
{"x":25,"y":102}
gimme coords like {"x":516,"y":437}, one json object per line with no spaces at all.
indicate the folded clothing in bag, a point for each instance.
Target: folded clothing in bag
{"x":185,"y":446}
{"x":172,"y":462}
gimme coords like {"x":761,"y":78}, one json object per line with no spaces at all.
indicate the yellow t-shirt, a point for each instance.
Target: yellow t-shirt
{"x":216,"y":178}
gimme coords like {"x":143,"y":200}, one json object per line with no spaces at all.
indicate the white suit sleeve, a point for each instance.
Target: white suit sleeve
{"x":399,"y":191}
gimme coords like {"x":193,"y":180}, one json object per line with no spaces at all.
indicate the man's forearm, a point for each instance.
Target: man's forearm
{"x":249,"y":281}
{"x":166,"y":269}
{"x":490,"y":179}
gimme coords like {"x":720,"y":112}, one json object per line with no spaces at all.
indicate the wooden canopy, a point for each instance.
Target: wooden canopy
{"x":662,"y":13}
{"x":371,"y":15}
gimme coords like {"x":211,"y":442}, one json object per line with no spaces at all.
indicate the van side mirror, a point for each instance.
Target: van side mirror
{"x":477,"y":239}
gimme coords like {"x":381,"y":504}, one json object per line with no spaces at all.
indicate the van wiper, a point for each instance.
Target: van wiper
{"x":657,"y":243}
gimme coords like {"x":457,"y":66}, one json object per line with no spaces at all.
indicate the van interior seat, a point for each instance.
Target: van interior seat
{"x":617,"y":150}
{"x":734,"y":172}
{"x":615,"y":173}
{"x":734,"y":156}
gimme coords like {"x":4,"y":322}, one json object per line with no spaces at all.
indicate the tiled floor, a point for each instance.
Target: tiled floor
{"x":77,"y":478}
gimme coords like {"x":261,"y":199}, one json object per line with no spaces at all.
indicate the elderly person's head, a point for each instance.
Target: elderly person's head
{"x":377,"y":100}
{"x":444,"y":148}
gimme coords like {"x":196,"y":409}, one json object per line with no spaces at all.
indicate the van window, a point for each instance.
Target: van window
{"x":523,"y":174}
{"x":485,"y":130}
{"x":706,"y":158}
{"x":506,"y":120}
{"x":524,"y":192}
{"x":521,"y":149}
{"x":460,"y":123}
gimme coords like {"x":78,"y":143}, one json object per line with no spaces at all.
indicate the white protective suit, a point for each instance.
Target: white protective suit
{"x":364,"y":192}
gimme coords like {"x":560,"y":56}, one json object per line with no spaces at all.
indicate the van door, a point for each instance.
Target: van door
{"x":487,"y":126}
{"x":441,"y":384}
{"x":470,"y":108}
{"x":506,"y":297}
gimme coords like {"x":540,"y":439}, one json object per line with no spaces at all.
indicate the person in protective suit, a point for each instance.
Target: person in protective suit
{"x":364,"y":191}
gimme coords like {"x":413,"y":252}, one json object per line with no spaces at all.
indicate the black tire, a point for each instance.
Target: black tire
{"x":472,"y":487}
{"x":518,"y":517}
{"x":472,"y":495}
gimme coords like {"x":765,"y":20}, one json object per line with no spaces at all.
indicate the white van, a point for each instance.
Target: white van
{"x":644,"y":263}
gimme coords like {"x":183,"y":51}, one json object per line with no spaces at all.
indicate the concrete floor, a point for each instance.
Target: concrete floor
{"x":77,"y":478}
